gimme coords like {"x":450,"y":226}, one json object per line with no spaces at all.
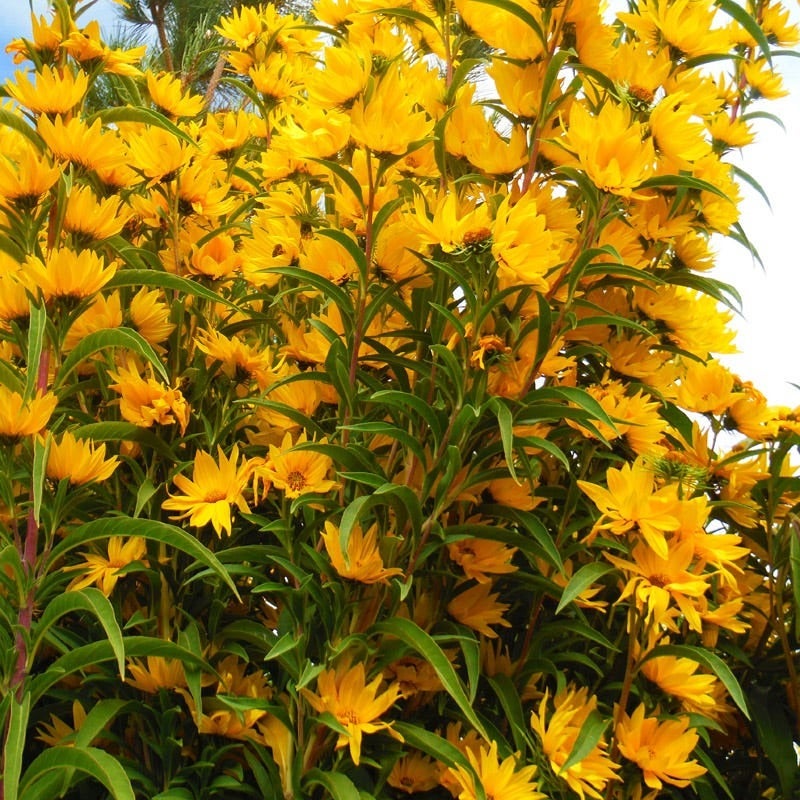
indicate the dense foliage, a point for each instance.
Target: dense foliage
{"x":361,"y":425}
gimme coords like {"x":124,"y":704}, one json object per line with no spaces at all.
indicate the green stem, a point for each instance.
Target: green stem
{"x":634,"y":627}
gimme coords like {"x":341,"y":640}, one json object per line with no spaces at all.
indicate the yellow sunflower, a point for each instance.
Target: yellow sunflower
{"x":296,"y":471}
{"x":363,"y":561}
{"x":103,"y":570}
{"x":79,"y":461}
{"x":660,"y":749}
{"x":216,"y":486}
{"x":356,"y":704}
{"x":499,"y":779}
{"x":19,"y":418}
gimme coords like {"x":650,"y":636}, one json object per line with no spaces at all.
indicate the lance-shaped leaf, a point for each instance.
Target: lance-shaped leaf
{"x":417,"y":639}
{"x":98,"y":341}
{"x":152,"y":530}
{"x":710,"y":661}
{"x":580,"y":581}
{"x":95,"y":603}
{"x":90,"y":761}
{"x":14,"y":748}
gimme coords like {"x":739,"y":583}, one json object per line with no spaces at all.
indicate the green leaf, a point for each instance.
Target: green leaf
{"x":91,"y":655}
{"x":337,"y":367}
{"x":584,"y":260}
{"x":575,"y":396}
{"x":582,"y":630}
{"x":582,"y":580}
{"x":765,"y":114}
{"x":431,"y":744}
{"x":402,"y":500}
{"x":607,"y":269}
{"x":285,"y":644}
{"x":339,"y":296}
{"x":505,"y":423}
{"x":161,"y":280}
{"x":794,"y":564}
{"x":247,"y":91}
{"x":152,"y":530}
{"x":543,"y":444}
{"x":407,"y":13}
{"x":384,"y":213}
{"x":588,"y":738}
{"x":708,"y":763}
{"x":14,"y":571}
{"x":720,"y":291}
{"x":337,"y":784}
{"x":510,"y":700}
{"x":682,"y":182}
{"x":710,"y":58}
{"x":544,"y":328}
{"x":752,"y":182}
{"x":416,"y":638}
{"x":178,"y":794}
{"x":597,"y":76}
{"x":11,"y":120}
{"x":521,"y":14}
{"x":449,"y":465}
{"x":36,"y":331}
{"x":454,"y":367}
{"x":549,"y":81}
{"x":733,"y":9}
{"x":533,"y":526}
{"x":144,"y":116}
{"x":126,"y":431}
{"x":710,"y":661}
{"x":409,"y":402}
{"x":367,"y":478}
{"x":775,"y":734}
{"x":190,"y":639}
{"x":97,"y":604}
{"x":11,"y":378}
{"x":345,"y":176}
{"x":41,"y":449}
{"x":104,"y":340}
{"x":144,"y":494}
{"x":463,"y":68}
{"x":98,"y":719}
{"x":89,"y":760}
{"x":738,"y":234}
{"x":615,"y":321}
{"x":298,"y":417}
{"x":392,"y":431}
{"x":15,"y":745}
{"x":452,"y":319}
{"x":350,"y":245}
{"x":470,"y":649}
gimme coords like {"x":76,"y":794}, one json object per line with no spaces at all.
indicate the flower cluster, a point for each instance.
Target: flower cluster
{"x":366,"y":433}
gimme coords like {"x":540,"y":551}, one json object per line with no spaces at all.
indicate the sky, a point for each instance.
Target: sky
{"x":15,"y":20}
{"x":769,"y":332}
{"x":768,"y":329}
